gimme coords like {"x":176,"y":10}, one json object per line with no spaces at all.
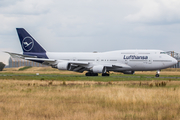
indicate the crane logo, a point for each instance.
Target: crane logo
{"x":27,"y":44}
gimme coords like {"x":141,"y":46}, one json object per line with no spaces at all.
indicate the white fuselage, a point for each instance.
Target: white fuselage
{"x":125,"y":61}
{"x":137,"y":60}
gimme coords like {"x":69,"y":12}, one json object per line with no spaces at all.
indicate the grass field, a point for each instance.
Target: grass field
{"x":67,"y":95}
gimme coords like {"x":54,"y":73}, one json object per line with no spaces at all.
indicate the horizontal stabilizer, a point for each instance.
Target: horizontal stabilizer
{"x":16,"y":55}
{"x":40,"y":59}
{"x":31,"y":58}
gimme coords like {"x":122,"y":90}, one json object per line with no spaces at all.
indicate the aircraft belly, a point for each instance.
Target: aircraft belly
{"x":117,"y":69}
{"x":137,"y":65}
{"x":153,"y":66}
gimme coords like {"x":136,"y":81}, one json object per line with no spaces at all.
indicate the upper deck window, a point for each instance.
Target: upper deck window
{"x":143,"y":53}
{"x":127,"y":53}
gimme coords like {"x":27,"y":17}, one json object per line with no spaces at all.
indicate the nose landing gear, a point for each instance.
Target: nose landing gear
{"x":157,"y":73}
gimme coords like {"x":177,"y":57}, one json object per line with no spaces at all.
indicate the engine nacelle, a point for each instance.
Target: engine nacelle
{"x":99,"y":69}
{"x":128,"y":72}
{"x":63,"y":66}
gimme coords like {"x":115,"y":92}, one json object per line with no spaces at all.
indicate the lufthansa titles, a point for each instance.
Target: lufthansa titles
{"x":135,"y":57}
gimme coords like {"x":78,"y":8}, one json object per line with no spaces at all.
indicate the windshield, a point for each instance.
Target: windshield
{"x":163,"y":53}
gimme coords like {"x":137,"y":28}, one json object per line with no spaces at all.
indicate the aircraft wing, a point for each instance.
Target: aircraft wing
{"x":53,"y":60}
{"x":79,"y":63}
{"x":75,"y":65}
{"x":121,"y":65}
{"x":34,"y":58}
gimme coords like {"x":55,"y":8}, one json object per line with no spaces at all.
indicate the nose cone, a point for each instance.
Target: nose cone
{"x":174,"y":61}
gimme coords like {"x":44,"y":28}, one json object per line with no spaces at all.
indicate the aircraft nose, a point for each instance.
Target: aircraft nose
{"x":174,"y":61}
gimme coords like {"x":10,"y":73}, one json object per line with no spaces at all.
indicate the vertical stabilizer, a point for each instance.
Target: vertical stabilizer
{"x":28,"y":43}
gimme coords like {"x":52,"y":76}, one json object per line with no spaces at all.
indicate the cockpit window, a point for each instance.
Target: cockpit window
{"x":163,"y":53}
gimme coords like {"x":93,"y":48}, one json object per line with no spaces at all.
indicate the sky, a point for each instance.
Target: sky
{"x":91,"y":25}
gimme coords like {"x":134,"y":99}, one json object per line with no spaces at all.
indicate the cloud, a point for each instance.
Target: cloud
{"x":5,"y":3}
{"x":88,"y":25}
{"x":157,"y":12}
{"x":26,"y":7}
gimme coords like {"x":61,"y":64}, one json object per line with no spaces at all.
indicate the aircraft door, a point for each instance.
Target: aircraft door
{"x":149,"y":61}
{"x":74,"y":59}
{"x":97,"y":60}
{"x":126,"y":61}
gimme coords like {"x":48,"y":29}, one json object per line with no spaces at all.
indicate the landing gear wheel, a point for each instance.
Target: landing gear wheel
{"x":88,"y":74}
{"x":105,"y":74}
{"x":91,"y":74}
{"x":95,"y":74}
{"x":157,"y":75}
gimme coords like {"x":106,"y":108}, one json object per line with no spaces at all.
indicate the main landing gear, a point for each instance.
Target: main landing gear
{"x":157,"y":73}
{"x":95,"y":74}
{"x":105,"y":74}
{"x":91,"y":74}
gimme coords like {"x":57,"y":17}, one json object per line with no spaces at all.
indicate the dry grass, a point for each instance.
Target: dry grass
{"x":40,"y":70}
{"x":154,"y":72}
{"x":168,"y":71}
{"x":87,"y":100}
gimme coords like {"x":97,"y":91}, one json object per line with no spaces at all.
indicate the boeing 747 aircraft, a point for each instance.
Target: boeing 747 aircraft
{"x":125,"y":61}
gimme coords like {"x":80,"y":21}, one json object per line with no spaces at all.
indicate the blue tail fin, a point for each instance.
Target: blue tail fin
{"x":28,"y":43}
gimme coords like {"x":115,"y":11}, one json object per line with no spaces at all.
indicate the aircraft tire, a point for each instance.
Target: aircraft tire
{"x":91,"y":74}
{"x":105,"y":74}
{"x":157,"y":75}
{"x":95,"y":74}
{"x":88,"y":74}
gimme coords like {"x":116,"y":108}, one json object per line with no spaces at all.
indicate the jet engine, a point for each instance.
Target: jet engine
{"x":128,"y":72}
{"x":63,"y":65}
{"x":99,"y":69}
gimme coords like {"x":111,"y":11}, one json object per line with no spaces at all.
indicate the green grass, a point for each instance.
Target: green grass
{"x":70,"y":77}
{"x":25,"y":68}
